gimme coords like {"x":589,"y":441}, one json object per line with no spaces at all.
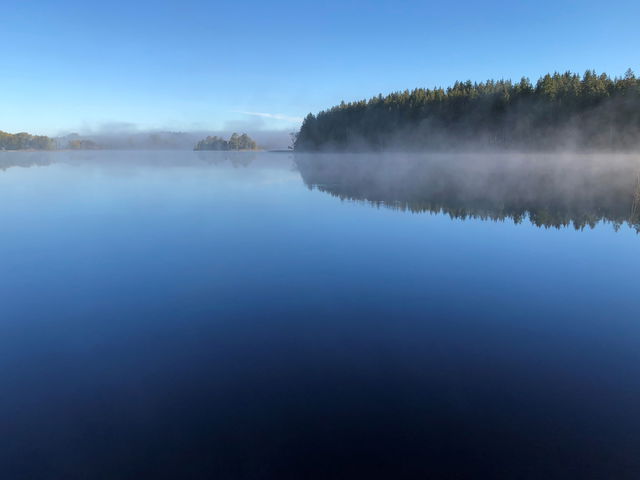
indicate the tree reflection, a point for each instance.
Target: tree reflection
{"x":237,"y":159}
{"x":548,"y":190}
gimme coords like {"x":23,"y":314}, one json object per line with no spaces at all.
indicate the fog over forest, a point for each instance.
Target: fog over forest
{"x":561,"y":111}
{"x":167,"y":140}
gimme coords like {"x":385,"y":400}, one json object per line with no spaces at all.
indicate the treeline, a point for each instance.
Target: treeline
{"x":25,"y":141}
{"x":235,"y":142}
{"x":563,"y":110}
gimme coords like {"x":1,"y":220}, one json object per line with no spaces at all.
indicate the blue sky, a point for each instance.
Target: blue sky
{"x":205,"y":65}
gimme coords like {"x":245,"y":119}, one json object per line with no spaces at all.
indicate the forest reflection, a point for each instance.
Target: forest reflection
{"x":236,"y":159}
{"x":25,"y":159}
{"x":548,"y":190}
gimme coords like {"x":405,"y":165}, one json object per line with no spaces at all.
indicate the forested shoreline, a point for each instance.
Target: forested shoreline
{"x":25,"y":141}
{"x":561,"y":111}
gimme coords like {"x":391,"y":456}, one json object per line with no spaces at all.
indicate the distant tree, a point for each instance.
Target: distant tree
{"x":234,"y":141}
{"x":293,"y":136}
{"x":212,"y":143}
{"x":246,"y":143}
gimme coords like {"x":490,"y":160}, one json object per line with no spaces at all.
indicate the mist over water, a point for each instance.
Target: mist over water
{"x":129,"y":137}
{"x":249,"y":315}
{"x":549,"y":190}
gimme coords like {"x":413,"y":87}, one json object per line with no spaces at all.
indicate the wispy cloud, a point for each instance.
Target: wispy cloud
{"x":274,"y":116}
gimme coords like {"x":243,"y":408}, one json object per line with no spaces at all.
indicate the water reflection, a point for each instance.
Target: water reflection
{"x":549,"y":190}
{"x":24,"y":159}
{"x":236,"y":159}
{"x":174,"y":315}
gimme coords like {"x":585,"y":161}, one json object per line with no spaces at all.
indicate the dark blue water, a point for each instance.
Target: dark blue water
{"x":174,"y":315}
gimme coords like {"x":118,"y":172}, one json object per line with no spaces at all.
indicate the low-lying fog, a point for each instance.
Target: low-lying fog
{"x":550,"y":190}
{"x":132,"y":139}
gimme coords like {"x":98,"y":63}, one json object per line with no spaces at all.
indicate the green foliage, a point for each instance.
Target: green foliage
{"x":212,"y":143}
{"x":24,"y":141}
{"x":235,"y":142}
{"x":563,"y":109}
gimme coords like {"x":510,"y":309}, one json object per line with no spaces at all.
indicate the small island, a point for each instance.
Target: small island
{"x":235,"y":142}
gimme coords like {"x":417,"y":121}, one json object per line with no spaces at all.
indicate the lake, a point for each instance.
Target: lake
{"x":199,"y":315}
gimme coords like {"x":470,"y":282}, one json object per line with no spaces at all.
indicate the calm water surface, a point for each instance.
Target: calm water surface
{"x":254,"y":316}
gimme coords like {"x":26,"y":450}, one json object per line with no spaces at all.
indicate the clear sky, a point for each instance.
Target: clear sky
{"x":82,"y":66}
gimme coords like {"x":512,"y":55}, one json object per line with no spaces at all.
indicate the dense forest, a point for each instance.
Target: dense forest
{"x":235,"y":142}
{"x":561,"y":111}
{"x":551,"y":191}
{"x":25,"y":141}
